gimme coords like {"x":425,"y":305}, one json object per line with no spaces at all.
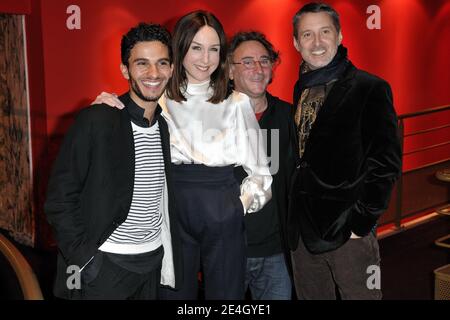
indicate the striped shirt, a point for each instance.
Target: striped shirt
{"x":141,"y":231}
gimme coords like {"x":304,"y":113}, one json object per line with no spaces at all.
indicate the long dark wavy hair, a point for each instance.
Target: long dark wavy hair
{"x":185,"y":30}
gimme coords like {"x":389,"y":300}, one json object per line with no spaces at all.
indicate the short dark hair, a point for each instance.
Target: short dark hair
{"x":243,"y":36}
{"x":185,"y":30}
{"x":314,"y":7}
{"x":144,"y":32}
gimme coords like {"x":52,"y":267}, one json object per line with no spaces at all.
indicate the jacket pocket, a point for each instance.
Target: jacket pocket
{"x":92,"y":269}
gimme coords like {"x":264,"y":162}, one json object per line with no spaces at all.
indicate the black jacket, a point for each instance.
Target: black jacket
{"x":91,"y":186}
{"x":266,"y":229}
{"x":351,"y":161}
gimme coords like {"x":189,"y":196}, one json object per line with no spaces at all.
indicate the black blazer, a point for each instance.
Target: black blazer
{"x":270,"y":221}
{"x":351,"y":161}
{"x":91,"y":187}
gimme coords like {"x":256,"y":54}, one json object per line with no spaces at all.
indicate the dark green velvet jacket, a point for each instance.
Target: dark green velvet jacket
{"x":351,"y":161}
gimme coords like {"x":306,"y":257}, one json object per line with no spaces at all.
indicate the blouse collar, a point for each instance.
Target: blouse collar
{"x":203,"y":88}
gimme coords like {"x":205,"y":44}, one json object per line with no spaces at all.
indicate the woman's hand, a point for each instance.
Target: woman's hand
{"x":109,"y":99}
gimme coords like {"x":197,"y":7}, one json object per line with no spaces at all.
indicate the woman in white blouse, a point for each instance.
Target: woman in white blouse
{"x":212,"y":130}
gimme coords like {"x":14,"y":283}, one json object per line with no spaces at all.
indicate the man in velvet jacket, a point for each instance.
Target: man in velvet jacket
{"x":349,"y":160}
{"x":110,"y":197}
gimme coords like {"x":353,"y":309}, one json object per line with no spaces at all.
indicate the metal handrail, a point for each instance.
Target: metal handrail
{"x":426,"y":148}
{"x":423,"y":112}
{"x":417,"y":114}
{"x":401,"y":129}
{"x":426,"y":130}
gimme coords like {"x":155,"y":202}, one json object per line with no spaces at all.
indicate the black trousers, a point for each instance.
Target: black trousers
{"x":352,"y":269}
{"x":212,"y":232}
{"x":122,"y":277}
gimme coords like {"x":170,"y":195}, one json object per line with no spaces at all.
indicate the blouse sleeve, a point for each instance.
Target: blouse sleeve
{"x":255,"y":188}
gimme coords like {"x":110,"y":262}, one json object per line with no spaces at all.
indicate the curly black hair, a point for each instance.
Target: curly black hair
{"x":243,"y":36}
{"x":144,"y":32}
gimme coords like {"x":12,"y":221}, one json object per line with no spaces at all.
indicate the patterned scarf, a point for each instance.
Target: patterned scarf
{"x":314,"y":87}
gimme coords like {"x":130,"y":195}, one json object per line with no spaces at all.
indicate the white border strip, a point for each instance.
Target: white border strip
{"x":30,"y":148}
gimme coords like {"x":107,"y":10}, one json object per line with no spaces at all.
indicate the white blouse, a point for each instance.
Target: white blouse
{"x":218,"y":135}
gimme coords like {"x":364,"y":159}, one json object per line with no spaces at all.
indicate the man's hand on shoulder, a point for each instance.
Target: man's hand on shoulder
{"x":110,"y":99}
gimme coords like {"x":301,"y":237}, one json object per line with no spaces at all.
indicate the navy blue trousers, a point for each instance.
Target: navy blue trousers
{"x":211,"y":219}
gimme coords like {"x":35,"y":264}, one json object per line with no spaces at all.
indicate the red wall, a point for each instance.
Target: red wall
{"x":15,"y":6}
{"x":410,"y":51}
{"x":68,"y":68}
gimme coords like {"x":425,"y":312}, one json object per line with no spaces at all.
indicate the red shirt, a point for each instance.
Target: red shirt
{"x":259,"y":115}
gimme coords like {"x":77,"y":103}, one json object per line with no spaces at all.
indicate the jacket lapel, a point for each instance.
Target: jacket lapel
{"x":335,"y":98}
{"x":332,"y":103}
{"x":123,"y":169}
{"x":165,"y":142}
{"x":337,"y":93}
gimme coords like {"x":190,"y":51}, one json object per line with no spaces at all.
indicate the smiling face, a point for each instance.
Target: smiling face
{"x":317,"y":39}
{"x":252,"y":82}
{"x":148,"y":72}
{"x":203,"y":55}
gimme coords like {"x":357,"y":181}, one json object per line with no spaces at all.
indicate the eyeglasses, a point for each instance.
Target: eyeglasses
{"x":251,"y":64}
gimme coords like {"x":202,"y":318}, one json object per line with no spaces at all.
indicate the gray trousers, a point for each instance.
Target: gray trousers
{"x":352,"y":270}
